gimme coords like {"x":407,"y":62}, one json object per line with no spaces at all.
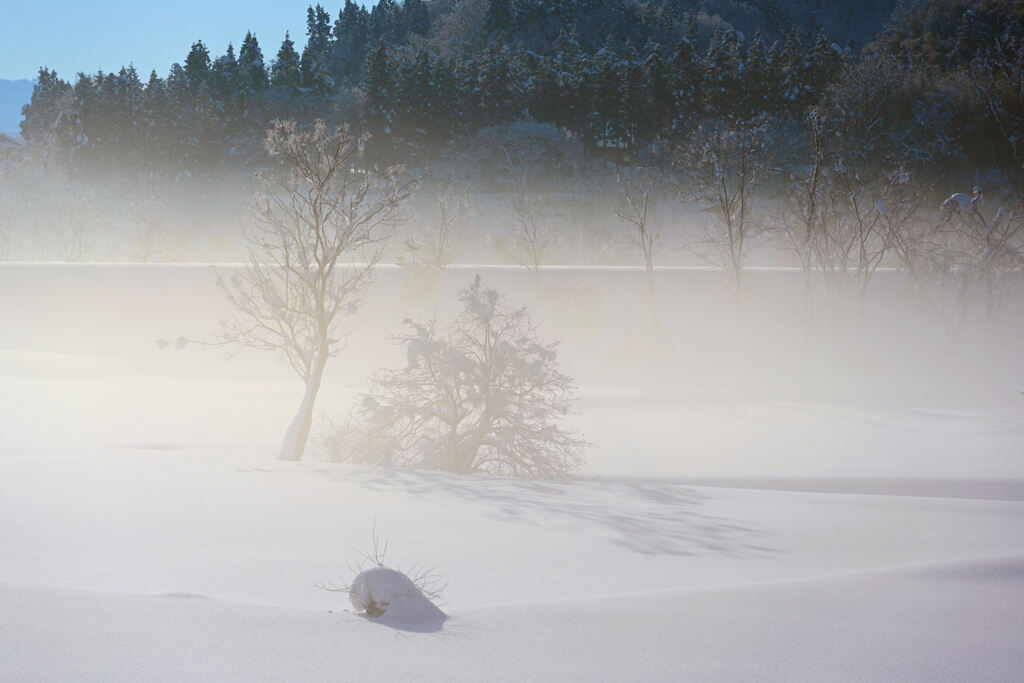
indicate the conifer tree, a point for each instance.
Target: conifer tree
{"x":197,"y":64}
{"x":416,"y":17}
{"x":378,"y":88}
{"x":686,"y":81}
{"x":286,"y":70}
{"x":313,"y":75}
{"x":757,"y":82}
{"x":722,"y":66}
{"x":252,"y":71}
{"x":791,"y":68}
{"x":224,"y":74}
{"x":448,"y":107}
{"x":496,"y":98}
{"x":318,"y":32}
{"x":544,"y":98}
{"x":50,"y":97}
{"x":570,"y":69}
{"x":823,"y":62}
{"x":350,"y":41}
{"x":657,"y":109}
{"x":631,"y":100}
{"x":498,"y":18}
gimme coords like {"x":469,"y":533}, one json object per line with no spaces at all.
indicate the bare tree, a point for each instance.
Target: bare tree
{"x":149,"y":220}
{"x":317,"y":234}
{"x":634,"y":200}
{"x":482,"y":395}
{"x":530,"y":201}
{"x":436,"y":243}
{"x":964,"y":259}
{"x":810,"y":222}
{"x":73,"y":213}
{"x":12,"y":167}
{"x":433,"y":243}
{"x":997,"y":79}
{"x":877,"y":210}
{"x":724,"y":168}
{"x":840,"y":221}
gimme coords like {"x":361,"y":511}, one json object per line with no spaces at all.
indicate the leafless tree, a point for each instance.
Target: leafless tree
{"x":840,"y":221}
{"x":148,"y":218}
{"x":433,"y":241}
{"x":531,"y":204}
{"x":998,"y":83}
{"x":481,"y":395}
{"x":962,"y":259}
{"x":317,"y":234}
{"x":723,"y":168}
{"x":73,"y":213}
{"x":811,"y":225}
{"x":11,"y":198}
{"x":878,"y":208}
{"x":635,"y":197}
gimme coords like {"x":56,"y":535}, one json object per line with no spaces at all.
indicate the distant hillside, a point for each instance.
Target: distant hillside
{"x":13,"y":96}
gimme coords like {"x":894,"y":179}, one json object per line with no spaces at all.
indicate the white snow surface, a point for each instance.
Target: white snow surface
{"x":146,"y":533}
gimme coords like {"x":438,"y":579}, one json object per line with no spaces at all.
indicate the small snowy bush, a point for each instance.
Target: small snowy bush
{"x":391,"y":595}
{"x":381,"y":590}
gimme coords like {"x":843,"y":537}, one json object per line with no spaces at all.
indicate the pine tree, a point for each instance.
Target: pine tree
{"x":543,"y":94}
{"x":286,"y":70}
{"x":722,"y":80}
{"x":657,"y":111}
{"x":417,"y":19}
{"x":602,"y":94}
{"x":197,"y":64}
{"x":570,"y":70}
{"x":758,"y":80}
{"x":414,"y":99}
{"x":351,"y":35}
{"x":382,"y":22}
{"x":495,"y":96}
{"x":791,"y":71}
{"x":313,"y":75}
{"x":252,"y":72}
{"x":823,"y":61}
{"x":686,"y":81}
{"x":498,"y":18}
{"x":445,"y":85}
{"x":318,"y":33}
{"x":468,"y":79}
{"x":151,"y":121}
{"x":378,"y":89}
{"x":224,"y":75}
{"x":49,"y":96}
{"x":630,"y":97}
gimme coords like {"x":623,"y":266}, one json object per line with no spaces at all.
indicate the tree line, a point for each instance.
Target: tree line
{"x":939,"y":87}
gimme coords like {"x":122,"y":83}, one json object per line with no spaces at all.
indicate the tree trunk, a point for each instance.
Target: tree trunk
{"x":298,"y":431}
{"x":738,"y":292}
{"x":651,"y":295}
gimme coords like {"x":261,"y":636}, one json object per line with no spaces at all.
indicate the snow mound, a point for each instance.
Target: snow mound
{"x":393,"y":598}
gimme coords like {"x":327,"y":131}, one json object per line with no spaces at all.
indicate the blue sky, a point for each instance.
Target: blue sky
{"x":86,"y":36}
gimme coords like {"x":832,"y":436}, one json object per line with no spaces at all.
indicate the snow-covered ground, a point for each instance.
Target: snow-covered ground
{"x":730,"y":525}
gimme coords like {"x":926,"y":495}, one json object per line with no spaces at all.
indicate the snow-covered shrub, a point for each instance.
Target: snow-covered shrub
{"x":480,"y":395}
{"x":392,"y":596}
{"x":380,"y":591}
